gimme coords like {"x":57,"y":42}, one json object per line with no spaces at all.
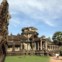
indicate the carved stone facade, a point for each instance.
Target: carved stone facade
{"x":28,"y":42}
{"x":4,"y":16}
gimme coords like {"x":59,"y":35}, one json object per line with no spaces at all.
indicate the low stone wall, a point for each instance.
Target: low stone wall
{"x":30,"y":52}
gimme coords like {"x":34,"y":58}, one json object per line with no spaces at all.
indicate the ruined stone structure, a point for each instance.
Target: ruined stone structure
{"x":4,"y":16}
{"x":29,"y":43}
{"x":26,"y":43}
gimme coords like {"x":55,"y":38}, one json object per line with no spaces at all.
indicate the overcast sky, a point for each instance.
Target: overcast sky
{"x":45,"y":15}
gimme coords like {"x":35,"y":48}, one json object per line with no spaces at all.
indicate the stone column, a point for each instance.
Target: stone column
{"x":13,"y":46}
{"x":40,"y":44}
{"x":32,"y":45}
{"x":35,"y":45}
{"x":46,"y":45}
{"x":13,"y":49}
{"x":21,"y":46}
{"x":27,"y":46}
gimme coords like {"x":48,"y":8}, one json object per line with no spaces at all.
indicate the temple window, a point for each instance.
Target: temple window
{"x":17,"y":47}
{"x":9,"y":48}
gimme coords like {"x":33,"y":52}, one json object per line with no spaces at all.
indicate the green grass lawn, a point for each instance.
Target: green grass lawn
{"x":27,"y":59}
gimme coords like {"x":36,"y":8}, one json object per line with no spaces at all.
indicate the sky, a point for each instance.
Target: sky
{"x":45,"y":15}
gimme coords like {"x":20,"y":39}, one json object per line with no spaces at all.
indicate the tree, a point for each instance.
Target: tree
{"x":57,"y":38}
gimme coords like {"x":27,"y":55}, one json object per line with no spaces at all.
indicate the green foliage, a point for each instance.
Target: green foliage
{"x":57,"y":38}
{"x":27,"y":59}
{"x":61,"y":53}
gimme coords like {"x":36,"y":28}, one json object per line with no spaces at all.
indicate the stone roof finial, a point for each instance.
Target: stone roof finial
{"x":4,"y":0}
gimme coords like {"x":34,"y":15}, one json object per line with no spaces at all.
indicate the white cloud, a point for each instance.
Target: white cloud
{"x":42,"y":10}
{"x":45,"y":10}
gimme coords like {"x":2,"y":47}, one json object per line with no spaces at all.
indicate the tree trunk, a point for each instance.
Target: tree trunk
{"x":2,"y":53}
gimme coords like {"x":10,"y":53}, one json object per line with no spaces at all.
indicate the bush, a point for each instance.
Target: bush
{"x":60,"y":53}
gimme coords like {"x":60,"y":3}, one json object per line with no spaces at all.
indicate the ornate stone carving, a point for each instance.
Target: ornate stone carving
{"x":4,"y":17}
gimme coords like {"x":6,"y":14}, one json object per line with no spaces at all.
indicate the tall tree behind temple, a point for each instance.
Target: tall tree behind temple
{"x":57,"y":38}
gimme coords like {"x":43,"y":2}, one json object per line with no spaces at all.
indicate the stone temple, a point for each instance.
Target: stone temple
{"x":26,"y":43}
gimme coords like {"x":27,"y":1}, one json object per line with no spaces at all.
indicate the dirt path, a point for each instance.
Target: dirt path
{"x":53,"y":59}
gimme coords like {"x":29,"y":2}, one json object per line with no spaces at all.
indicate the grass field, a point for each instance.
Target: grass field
{"x":27,"y":59}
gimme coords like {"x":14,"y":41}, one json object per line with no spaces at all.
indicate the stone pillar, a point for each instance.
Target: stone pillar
{"x":27,"y":46}
{"x":40,"y":45}
{"x":46,"y":45}
{"x":27,"y":49}
{"x":32,"y":45}
{"x":13,"y":47}
{"x":52,"y":47}
{"x":35,"y":45}
{"x":21,"y":46}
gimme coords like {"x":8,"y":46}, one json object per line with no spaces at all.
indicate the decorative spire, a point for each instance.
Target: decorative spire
{"x":4,"y":9}
{"x":4,"y":0}
{"x":4,"y":6}
{"x":4,"y":3}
